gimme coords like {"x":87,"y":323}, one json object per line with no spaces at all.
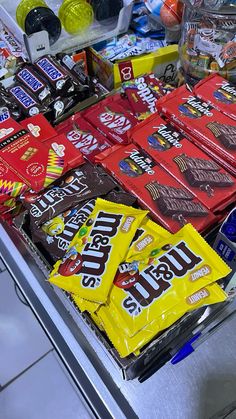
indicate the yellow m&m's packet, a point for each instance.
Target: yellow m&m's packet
{"x":91,"y":262}
{"x":184,"y":264}
{"x":125,"y":345}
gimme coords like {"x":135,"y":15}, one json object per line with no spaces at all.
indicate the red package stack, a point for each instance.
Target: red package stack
{"x":218,"y":91}
{"x":170,"y":203}
{"x":111,"y":120}
{"x":205,"y":124}
{"x":204,"y":178}
{"x":83,"y":136}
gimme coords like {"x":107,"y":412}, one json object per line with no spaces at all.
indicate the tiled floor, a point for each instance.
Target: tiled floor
{"x":33,"y":383}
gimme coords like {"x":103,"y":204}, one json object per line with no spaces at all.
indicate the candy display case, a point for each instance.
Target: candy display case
{"x":38,"y":44}
{"x":207,"y":43}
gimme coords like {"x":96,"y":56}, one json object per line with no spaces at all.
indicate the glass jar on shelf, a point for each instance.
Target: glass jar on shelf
{"x":208,"y":41}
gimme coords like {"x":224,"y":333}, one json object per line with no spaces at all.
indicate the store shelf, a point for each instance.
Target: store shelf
{"x":38,"y":45}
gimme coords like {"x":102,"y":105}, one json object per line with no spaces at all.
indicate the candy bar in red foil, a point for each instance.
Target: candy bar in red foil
{"x":170,"y":203}
{"x":143,"y":93}
{"x":83,"y":136}
{"x":37,"y":164}
{"x":218,"y":91}
{"x":204,"y":178}
{"x":39,"y":127}
{"x":111,"y":120}
{"x":203,"y":122}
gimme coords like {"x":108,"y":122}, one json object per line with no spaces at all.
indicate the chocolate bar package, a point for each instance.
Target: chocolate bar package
{"x":111,"y":120}
{"x":56,"y":234}
{"x":84,"y":183}
{"x":26,"y":101}
{"x":39,"y":127}
{"x":204,"y":123}
{"x":34,"y":83}
{"x":11,"y":185}
{"x":202,"y":176}
{"x":37,"y":164}
{"x":169,"y":202}
{"x":219,"y":92}
{"x":83,"y":136}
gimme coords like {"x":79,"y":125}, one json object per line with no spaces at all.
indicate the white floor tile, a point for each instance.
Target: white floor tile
{"x":43,"y":392}
{"x":22,"y":340}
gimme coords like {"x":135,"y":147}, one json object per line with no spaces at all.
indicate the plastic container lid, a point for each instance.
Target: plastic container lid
{"x":43,"y":18}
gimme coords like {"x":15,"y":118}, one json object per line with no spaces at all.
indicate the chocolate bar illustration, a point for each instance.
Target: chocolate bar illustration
{"x":226,"y":134}
{"x":157,"y":191}
{"x":201,"y":177}
{"x":174,"y":207}
{"x":185,"y":162}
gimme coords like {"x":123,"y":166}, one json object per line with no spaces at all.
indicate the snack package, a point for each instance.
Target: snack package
{"x":203,"y":177}
{"x":143,"y":93}
{"x":189,"y":265}
{"x":203,"y":122}
{"x":85,"y":305}
{"x":125,"y":345}
{"x":219,"y":92}
{"x":10,"y":184}
{"x":34,"y":83}
{"x":84,"y":183}
{"x":35,"y":163}
{"x":111,"y":120}
{"x":39,"y":127}
{"x":55,"y":74}
{"x":90,"y":265}
{"x":56,"y":234}
{"x":83,"y":136}
{"x":170,"y":203}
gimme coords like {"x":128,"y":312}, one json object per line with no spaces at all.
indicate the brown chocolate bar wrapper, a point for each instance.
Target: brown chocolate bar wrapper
{"x":79,"y":185}
{"x":184,"y":162}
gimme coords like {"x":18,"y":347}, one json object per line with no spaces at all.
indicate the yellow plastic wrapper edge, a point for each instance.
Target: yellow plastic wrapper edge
{"x":126,"y":345}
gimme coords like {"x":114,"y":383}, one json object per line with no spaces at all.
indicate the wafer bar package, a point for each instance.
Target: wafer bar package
{"x":83,"y":136}
{"x":11,"y":185}
{"x":84,"y":183}
{"x":37,"y":164}
{"x":203,"y":122}
{"x":188,"y":265}
{"x":218,"y":91}
{"x":89,"y":266}
{"x":112,"y":120}
{"x":170,"y":203}
{"x":39,"y":127}
{"x":202,"y":176}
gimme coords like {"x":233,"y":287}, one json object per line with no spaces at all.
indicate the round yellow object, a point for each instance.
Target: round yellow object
{"x":78,"y":16}
{"x":24,"y":7}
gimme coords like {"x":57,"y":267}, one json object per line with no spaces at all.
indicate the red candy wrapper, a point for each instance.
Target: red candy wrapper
{"x":204,"y":123}
{"x":111,"y":120}
{"x":170,"y":203}
{"x":11,"y":185}
{"x":143,"y":93}
{"x":218,"y":91}
{"x":35,"y":163}
{"x":83,"y":136}
{"x":204,"y":178}
{"x":39,"y":127}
